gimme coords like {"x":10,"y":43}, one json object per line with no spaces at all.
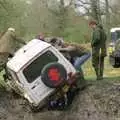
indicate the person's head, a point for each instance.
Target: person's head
{"x":40,"y":36}
{"x":57,"y":42}
{"x":11,"y":32}
{"x":11,"y":29}
{"x":53,"y":41}
{"x":60,"y":42}
{"x":93,"y":24}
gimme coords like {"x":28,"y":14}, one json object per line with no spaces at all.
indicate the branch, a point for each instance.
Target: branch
{"x":85,"y":3}
{"x":71,"y":1}
{"x":3,"y":6}
{"x":88,"y":9}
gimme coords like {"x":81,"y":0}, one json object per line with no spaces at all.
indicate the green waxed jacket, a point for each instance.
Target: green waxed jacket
{"x":95,"y":37}
{"x":99,"y":40}
{"x":98,"y":37}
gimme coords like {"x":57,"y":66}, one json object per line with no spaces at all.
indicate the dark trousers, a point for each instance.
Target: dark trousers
{"x":98,"y":61}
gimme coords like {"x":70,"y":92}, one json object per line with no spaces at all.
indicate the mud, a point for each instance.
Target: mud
{"x":99,"y":101}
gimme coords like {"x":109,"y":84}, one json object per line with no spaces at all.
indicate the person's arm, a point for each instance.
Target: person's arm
{"x":80,"y":51}
{"x":67,"y":49}
{"x":20,"y":40}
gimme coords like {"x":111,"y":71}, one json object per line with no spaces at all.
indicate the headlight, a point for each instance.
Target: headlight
{"x":28,"y":98}
{"x":111,"y":49}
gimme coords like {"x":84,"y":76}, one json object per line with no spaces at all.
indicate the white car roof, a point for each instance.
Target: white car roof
{"x":114,"y":29}
{"x":26,"y":53}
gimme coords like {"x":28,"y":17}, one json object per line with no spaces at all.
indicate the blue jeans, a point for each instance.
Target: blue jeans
{"x":80,"y":60}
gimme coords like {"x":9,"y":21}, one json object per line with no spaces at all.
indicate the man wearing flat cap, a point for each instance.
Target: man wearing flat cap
{"x":8,"y":45}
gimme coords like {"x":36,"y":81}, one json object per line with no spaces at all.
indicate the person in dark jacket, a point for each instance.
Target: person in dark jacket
{"x":98,"y":45}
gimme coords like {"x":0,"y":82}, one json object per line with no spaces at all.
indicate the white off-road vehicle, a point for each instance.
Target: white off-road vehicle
{"x":40,"y":73}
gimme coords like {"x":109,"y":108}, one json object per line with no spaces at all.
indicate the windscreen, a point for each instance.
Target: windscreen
{"x":118,"y":34}
{"x":115,"y":35}
{"x":33,"y":70}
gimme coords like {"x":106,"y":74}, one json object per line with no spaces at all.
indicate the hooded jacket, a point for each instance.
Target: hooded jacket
{"x":8,"y":42}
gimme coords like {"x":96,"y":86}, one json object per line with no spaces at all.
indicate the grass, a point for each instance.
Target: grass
{"x":109,"y":71}
{"x":78,"y":31}
{"x":2,"y":82}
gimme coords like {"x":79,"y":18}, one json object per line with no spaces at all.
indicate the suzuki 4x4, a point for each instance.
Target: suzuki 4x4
{"x":42,"y":75}
{"x":114,"y":47}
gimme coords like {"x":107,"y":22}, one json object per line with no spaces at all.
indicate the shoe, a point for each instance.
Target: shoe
{"x":99,"y":78}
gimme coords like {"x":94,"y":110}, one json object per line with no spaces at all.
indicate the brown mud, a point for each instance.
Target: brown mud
{"x":99,"y":101}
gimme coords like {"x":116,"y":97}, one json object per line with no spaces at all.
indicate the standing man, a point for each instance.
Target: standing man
{"x":98,"y":44}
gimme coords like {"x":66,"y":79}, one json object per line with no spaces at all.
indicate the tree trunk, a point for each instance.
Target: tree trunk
{"x":62,"y":17}
{"x":107,"y":16}
{"x":95,"y":7}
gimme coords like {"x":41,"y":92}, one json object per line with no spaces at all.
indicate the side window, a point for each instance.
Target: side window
{"x":32,"y":71}
{"x":12,"y":75}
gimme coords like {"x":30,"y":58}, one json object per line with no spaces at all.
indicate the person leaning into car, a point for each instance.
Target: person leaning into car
{"x":75,"y":54}
{"x":78,"y":55}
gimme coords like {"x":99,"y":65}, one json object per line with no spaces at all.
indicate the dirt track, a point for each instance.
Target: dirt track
{"x":99,"y":101}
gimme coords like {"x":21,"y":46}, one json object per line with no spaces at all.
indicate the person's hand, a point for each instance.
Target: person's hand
{"x":104,"y":52}
{"x":63,"y":49}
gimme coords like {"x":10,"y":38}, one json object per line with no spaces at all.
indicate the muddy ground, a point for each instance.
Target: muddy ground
{"x":99,"y":101}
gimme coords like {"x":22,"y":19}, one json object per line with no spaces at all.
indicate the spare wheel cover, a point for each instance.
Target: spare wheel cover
{"x":53,"y":74}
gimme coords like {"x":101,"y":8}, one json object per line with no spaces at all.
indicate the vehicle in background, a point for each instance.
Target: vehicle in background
{"x":114,"y":47}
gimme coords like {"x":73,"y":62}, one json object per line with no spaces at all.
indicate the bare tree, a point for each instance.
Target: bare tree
{"x":107,"y":15}
{"x":60,"y":13}
{"x":95,"y":9}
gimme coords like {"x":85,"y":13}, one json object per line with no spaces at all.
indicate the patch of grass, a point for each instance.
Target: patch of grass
{"x":109,"y":71}
{"x":78,"y":32}
{"x":2,"y":82}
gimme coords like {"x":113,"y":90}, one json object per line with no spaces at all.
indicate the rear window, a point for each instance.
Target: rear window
{"x":113,"y":36}
{"x":33,"y":70}
{"x":118,"y":34}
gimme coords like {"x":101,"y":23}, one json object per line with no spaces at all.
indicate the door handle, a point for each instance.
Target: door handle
{"x":34,"y":86}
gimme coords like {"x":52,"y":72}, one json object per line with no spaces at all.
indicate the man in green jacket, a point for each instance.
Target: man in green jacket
{"x":98,"y":45}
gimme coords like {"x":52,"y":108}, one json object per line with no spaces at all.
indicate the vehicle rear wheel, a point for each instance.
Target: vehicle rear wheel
{"x":53,"y":75}
{"x":81,"y":82}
